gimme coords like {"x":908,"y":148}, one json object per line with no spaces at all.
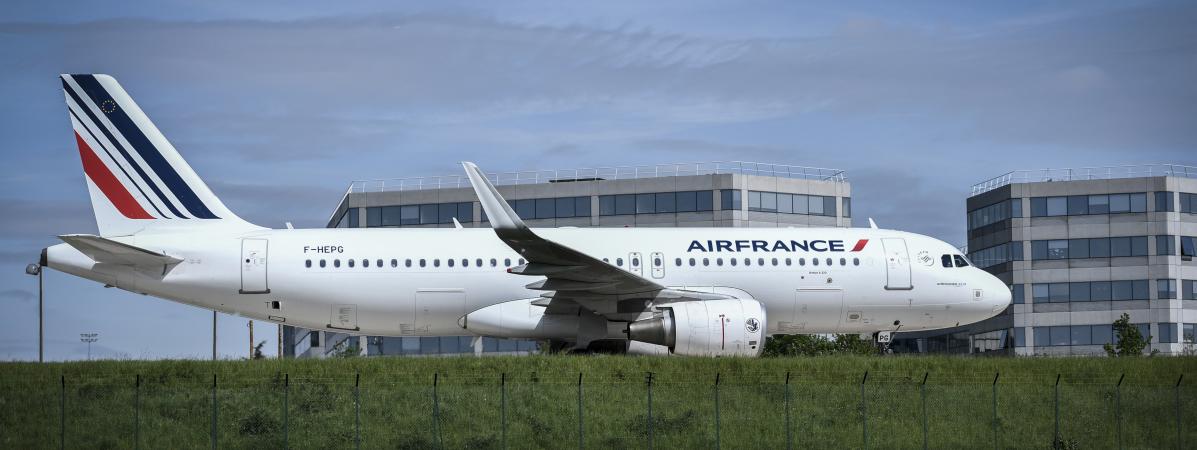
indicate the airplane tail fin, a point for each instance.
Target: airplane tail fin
{"x":136,"y":178}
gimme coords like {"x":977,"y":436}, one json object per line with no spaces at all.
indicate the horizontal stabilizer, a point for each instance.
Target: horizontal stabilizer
{"x":103,"y":250}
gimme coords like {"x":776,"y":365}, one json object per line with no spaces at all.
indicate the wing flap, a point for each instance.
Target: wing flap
{"x":104,"y":250}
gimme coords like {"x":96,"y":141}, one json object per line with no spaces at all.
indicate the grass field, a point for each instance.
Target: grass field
{"x":536,"y":402}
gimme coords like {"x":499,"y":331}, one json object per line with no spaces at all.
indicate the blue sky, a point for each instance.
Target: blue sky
{"x":278,"y":105}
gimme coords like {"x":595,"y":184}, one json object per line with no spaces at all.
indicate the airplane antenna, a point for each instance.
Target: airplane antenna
{"x":872,"y":224}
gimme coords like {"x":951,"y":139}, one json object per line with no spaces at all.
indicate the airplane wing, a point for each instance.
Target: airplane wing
{"x":103,"y":250}
{"x":571,"y":275}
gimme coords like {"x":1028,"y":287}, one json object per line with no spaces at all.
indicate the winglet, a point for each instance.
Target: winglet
{"x":500,"y":214}
{"x":872,"y":224}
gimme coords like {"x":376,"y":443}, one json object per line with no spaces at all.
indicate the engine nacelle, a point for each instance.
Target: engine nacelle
{"x":521,"y":319}
{"x":733,"y":327}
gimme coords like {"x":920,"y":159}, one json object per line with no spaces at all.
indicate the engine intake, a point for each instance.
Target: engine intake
{"x":733,"y":327}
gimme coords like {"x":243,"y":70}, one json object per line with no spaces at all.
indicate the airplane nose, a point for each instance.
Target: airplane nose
{"x":998,"y":294}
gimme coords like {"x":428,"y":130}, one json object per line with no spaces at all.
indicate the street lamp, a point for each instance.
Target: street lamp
{"x":36,"y":269}
{"x":89,"y":338}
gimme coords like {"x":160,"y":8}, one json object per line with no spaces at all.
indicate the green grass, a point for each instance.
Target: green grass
{"x":399,"y":407}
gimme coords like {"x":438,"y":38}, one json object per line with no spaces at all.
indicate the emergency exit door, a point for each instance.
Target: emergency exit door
{"x":897,"y":264}
{"x":253,"y":267}
{"x":658,"y":262}
{"x":635,"y":264}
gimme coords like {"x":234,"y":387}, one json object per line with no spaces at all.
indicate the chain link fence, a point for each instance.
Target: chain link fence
{"x":628,"y":411}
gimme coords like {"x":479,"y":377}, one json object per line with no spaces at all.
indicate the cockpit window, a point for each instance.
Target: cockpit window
{"x":946,"y":260}
{"x":960,"y":261}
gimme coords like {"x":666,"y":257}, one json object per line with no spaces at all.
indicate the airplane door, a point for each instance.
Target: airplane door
{"x":635,"y":264}
{"x":437,"y":311}
{"x":815,"y":311}
{"x":253,"y":266}
{"x":897,"y":264}
{"x":658,"y":262}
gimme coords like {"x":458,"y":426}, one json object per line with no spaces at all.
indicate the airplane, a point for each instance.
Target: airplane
{"x":681,"y":291}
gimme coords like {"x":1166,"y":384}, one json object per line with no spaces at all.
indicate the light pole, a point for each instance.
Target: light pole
{"x":89,"y":338}
{"x":36,"y":269}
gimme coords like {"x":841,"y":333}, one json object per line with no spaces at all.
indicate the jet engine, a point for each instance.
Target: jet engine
{"x":732,"y":327}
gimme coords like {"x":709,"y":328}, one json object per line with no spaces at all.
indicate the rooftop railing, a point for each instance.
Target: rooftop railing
{"x":602,"y":173}
{"x":1085,"y":173}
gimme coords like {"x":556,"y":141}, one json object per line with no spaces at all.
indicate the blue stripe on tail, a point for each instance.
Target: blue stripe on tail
{"x":149,"y":153}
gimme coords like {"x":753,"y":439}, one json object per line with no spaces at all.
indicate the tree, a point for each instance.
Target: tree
{"x":1129,"y":341}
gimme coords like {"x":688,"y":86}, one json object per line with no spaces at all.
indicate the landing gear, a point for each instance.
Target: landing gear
{"x":883,"y":338}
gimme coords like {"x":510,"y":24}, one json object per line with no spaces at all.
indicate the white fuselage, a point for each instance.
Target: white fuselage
{"x":304,"y":277}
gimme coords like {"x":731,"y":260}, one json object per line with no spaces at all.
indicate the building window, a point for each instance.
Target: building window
{"x":729,"y":199}
{"x":1165,"y":289}
{"x":1165,"y":245}
{"x":1089,"y":204}
{"x":1188,"y":333}
{"x":997,"y":212}
{"x":1018,"y":292}
{"x":1188,"y":202}
{"x":1188,"y":289}
{"x":1167,"y":332}
{"x":1089,"y":248}
{"x":1187,"y":250}
{"x":847,"y":206}
{"x":1163,"y":201}
{"x":998,"y":254}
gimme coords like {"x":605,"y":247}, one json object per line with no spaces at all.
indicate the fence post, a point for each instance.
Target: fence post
{"x":581,"y":427}
{"x":864,"y":412}
{"x":503,"y":407}
{"x":1118,"y":408}
{"x":1056,"y":406}
{"x":923,"y":399}
{"x":1176,"y":391}
{"x":357,"y":411}
{"x":62,"y":413}
{"x":286,"y":414}
{"x":718,"y":434}
{"x":436,"y":411}
{"x":996,"y":440}
{"x":137,"y":412}
{"x":789,"y":432}
{"x":214,"y":412}
{"x":650,"y":411}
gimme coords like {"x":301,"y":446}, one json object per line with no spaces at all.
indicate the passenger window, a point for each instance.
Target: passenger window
{"x":336,"y":263}
{"x":350,"y":262}
{"x":322,"y":264}
{"x":706,"y":262}
{"x":829,"y":261}
{"x":619,"y":262}
{"x":365,"y":263}
{"x":774,"y":261}
{"x":423,"y":262}
{"x":843,"y":262}
{"x":521,"y":261}
{"x":506,"y":262}
{"x":448,"y":261}
{"x":946,"y":260}
{"x":856,"y":261}
{"x":635,"y":262}
{"x":407,"y":262}
{"x":960,"y":262}
{"x":719,"y":262}
{"x":478,"y":262}
{"x":814,"y":261}
{"x":494,"y":262}
{"x":606,"y":260}
{"x":436,"y":262}
{"x":307,"y":263}
{"x":789,"y":261}
{"x":731,"y":261}
{"x":677,"y":262}
{"x":691,"y":262}
{"x":379,"y":263}
{"x":802,"y":261}
{"x":394,"y":263}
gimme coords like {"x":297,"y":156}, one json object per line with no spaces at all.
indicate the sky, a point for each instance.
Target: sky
{"x":278,"y":105}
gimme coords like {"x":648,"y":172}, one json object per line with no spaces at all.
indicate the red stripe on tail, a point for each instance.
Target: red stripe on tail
{"x":860,"y":245}
{"x":108,"y":184}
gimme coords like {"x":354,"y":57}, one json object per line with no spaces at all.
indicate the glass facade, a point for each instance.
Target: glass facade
{"x":994,"y":213}
{"x":1077,"y":205}
{"x":426,"y":214}
{"x":1089,"y":248}
{"x":1086,"y":291}
{"x":656,"y":203}
{"x":814,"y":205}
{"x":1065,"y":335}
{"x":1188,"y":203}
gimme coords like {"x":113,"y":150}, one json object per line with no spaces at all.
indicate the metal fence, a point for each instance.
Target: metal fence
{"x":1085,"y":173}
{"x":632,"y":411}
